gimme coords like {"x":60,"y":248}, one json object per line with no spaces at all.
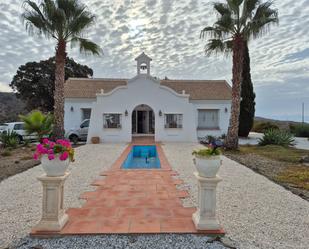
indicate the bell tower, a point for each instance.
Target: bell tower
{"x":143,"y":64}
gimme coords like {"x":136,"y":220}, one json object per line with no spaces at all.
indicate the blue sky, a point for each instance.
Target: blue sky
{"x":168,"y":31}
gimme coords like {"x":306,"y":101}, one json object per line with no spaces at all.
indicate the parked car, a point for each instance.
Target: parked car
{"x":79,"y":134}
{"x":18,"y":128}
{"x":3,"y":127}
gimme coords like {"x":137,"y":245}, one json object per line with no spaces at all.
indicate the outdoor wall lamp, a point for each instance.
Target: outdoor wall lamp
{"x":72,"y":109}
{"x":160,"y":113}
{"x":126,"y":113}
{"x":225,"y":109}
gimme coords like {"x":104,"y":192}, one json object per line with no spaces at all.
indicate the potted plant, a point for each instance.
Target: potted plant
{"x":55,"y":156}
{"x":207,"y":161}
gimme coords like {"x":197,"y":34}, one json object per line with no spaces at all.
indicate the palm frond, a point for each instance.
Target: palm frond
{"x":248,"y":7}
{"x":212,"y":32}
{"x":34,"y":19}
{"x":262,"y":20}
{"x":64,"y":20}
{"x":216,"y":46}
{"x":86,"y":46}
{"x":234,"y":5}
{"x":226,"y":24}
{"x":222,"y":8}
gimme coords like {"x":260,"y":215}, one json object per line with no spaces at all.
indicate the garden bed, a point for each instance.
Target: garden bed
{"x":277,"y":163}
{"x":15,"y":161}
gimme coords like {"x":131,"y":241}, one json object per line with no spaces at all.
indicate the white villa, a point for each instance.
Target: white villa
{"x":169,"y":110}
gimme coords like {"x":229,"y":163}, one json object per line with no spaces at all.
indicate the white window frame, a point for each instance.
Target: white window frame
{"x":216,"y":127}
{"x":118,"y":126}
{"x":178,"y":119}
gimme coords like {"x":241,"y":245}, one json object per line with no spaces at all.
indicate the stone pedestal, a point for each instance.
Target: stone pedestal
{"x":205,"y":216}
{"x":53,"y":214}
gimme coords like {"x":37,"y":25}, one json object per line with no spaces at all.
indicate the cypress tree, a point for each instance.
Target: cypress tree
{"x":247,"y":104}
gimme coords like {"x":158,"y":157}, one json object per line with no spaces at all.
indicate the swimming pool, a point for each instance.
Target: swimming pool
{"x":142,"y":157}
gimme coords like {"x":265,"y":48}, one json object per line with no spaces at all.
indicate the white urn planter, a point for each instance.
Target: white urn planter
{"x":207,"y":166}
{"x":54,"y":167}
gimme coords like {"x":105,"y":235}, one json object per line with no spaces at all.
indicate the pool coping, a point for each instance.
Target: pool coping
{"x":117,"y":165}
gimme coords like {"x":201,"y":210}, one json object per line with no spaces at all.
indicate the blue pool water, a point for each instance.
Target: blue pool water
{"x":142,"y":157}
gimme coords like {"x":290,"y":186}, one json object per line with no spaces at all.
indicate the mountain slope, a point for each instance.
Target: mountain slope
{"x":10,"y":107}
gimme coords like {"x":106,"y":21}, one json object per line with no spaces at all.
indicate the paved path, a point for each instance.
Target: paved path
{"x":133,"y":201}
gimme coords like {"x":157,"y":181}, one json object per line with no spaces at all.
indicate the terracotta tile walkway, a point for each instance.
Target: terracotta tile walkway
{"x":133,"y":201}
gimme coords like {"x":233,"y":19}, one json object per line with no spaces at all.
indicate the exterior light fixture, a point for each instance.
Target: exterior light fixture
{"x":126,"y":113}
{"x":160,"y":113}
{"x":226,"y":109}
{"x":72,"y":109}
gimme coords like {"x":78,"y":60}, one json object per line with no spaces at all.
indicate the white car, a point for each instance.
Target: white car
{"x":18,"y":128}
{"x":78,"y":134}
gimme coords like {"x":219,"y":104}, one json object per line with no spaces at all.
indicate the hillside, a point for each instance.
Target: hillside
{"x":10,"y":107}
{"x":280,"y":123}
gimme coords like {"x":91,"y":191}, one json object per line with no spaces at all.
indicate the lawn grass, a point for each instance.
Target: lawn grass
{"x":298,"y":177}
{"x":278,"y":153}
{"x":289,"y":172}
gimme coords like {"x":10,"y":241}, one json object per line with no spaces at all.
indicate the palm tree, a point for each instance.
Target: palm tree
{"x":38,"y":123}
{"x":65,"y":21}
{"x":238,"y":21}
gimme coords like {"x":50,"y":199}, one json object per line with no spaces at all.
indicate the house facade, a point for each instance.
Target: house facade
{"x":168,"y":110}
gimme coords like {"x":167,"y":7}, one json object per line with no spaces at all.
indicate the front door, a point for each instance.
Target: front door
{"x":141,"y":122}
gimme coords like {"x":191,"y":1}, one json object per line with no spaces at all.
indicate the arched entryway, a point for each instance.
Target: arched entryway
{"x":143,"y":121}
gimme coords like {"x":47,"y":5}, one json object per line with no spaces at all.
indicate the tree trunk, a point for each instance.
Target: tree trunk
{"x":247,"y":104}
{"x":58,"y":129}
{"x":231,"y":141}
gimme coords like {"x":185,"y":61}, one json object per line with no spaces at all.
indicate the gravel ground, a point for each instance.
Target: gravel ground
{"x":21,"y":195}
{"x":255,"y":212}
{"x":162,"y":241}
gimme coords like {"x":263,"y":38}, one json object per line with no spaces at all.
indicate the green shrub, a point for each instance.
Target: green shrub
{"x":6,"y":153}
{"x":264,"y":126}
{"x":277,"y":137}
{"x":300,"y":130}
{"x":38,"y":123}
{"x":209,"y":151}
{"x":9,"y":139}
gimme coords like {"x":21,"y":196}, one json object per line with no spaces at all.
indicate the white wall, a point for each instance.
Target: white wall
{"x":72,"y":119}
{"x":143,"y":90}
{"x":222,"y":106}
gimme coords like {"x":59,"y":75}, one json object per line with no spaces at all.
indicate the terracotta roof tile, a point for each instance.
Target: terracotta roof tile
{"x":198,"y":89}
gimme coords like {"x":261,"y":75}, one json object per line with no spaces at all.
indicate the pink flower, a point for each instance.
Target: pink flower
{"x":51,"y":156}
{"x":51,"y":144}
{"x":50,"y":151}
{"x":41,"y":149}
{"x":35,"y":156}
{"x":45,"y":141}
{"x":64,"y":156}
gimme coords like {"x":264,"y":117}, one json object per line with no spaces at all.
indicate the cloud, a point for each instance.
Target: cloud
{"x":168,"y":31}
{"x":5,"y":88}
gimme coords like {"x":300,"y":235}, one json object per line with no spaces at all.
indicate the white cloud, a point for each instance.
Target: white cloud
{"x":169,"y":32}
{"x":5,"y":88}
